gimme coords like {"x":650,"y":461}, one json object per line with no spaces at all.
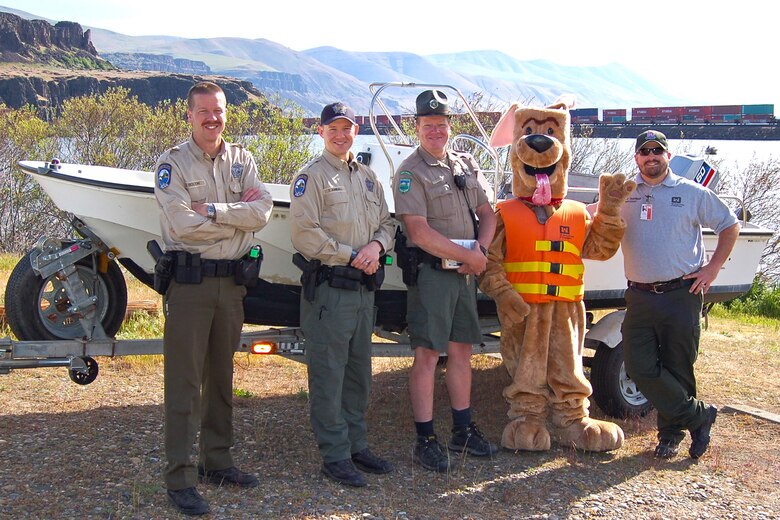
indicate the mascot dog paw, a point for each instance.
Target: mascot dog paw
{"x":537,"y":257}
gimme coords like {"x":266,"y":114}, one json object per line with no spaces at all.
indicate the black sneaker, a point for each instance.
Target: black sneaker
{"x":472,"y":441}
{"x":188,"y":501}
{"x":700,"y":437}
{"x":430,"y":454}
{"x":344,"y":472}
{"x":231,"y":475}
{"x":370,"y":463}
{"x":666,"y":449}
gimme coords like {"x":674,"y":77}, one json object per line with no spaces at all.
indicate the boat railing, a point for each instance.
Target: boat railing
{"x":377,"y":88}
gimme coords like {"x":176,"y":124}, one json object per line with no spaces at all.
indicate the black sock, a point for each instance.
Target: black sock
{"x":461,"y":418}
{"x":424,"y":429}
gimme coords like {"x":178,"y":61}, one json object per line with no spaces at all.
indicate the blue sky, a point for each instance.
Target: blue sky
{"x":712,"y":52}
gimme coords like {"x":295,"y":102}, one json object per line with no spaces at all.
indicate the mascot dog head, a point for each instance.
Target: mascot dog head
{"x":540,"y":152}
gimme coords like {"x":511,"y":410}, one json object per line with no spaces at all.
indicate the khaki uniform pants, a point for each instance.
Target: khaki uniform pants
{"x":202,"y":328}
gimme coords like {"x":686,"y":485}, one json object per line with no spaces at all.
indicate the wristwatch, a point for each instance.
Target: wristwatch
{"x":211,"y":211}
{"x":483,"y":249}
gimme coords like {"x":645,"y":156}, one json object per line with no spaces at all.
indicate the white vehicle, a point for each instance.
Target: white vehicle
{"x":66,"y":298}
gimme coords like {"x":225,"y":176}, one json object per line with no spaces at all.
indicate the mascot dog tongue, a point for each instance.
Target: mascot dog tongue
{"x":535,"y":275}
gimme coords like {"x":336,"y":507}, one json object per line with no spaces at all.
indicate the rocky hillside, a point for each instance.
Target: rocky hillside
{"x":156,"y":62}
{"x":43,"y":65}
{"x":37,"y":41}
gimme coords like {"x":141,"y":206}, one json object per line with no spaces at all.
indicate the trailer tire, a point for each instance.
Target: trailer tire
{"x":36,"y":309}
{"x":613,"y":391}
{"x":85,"y":378}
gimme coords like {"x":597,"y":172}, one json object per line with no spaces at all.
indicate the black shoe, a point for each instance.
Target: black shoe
{"x":231,"y":475}
{"x":344,"y":472}
{"x":430,"y":454}
{"x":472,"y":441}
{"x":370,"y":463}
{"x":188,"y":501}
{"x":700,"y":437}
{"x":666,"y":449}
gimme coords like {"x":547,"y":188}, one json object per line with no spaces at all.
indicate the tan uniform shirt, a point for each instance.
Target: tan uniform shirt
{"x":185,"y":174}
{"x":425,"y":186}
{"x":337,"y":207}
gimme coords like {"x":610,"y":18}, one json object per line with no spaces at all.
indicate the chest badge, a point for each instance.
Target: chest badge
{"x":237,"y":170}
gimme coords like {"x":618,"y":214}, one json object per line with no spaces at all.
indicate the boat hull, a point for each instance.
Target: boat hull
{"x":119,"y":207}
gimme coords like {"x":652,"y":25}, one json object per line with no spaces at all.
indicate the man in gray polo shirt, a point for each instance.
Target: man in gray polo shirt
{"x":668,"y":275}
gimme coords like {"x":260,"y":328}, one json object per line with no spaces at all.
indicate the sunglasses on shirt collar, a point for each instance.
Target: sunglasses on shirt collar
{"x":644,"y":152}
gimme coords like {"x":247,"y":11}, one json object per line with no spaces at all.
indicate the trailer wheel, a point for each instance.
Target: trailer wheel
{"x":85,"y":378}
{"x":37,"y":309}
{"x":614,"y":392}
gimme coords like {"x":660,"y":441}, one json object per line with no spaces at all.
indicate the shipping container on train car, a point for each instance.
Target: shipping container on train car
{"x":613,"y":115}
{"x":584,"y":115}
{"x":727,"y":109}
{"x":697,"y":114}
{"x":668,"y":115}
{"x":643,"y":114}
{"x":758,"y":110}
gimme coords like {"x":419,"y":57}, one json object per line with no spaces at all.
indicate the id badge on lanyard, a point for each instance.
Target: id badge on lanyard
{"x":646,"y":212}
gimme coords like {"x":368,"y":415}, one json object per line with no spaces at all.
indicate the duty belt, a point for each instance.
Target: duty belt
{"x":661,"y":287}
{"x":218,"y":268}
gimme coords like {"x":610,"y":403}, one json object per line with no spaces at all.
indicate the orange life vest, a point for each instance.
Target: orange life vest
{"x":544,"y":261}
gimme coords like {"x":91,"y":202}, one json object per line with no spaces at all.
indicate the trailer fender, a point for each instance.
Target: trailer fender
{"x":607,"y":329}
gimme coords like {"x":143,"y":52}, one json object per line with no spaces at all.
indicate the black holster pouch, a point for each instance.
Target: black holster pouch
{"x":163,"y":267}
{"x":345,"y":277}
{"x":373,"y":282}
{"x":188,"y":268}
{"x":408,"y":258}
{"x":163,"y":273}
{"x":309,"y":276}
{"x":248,"y":268}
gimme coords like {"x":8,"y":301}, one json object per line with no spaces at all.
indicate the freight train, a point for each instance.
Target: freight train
{"x":703,"y":114}
{"x":691,"y":115}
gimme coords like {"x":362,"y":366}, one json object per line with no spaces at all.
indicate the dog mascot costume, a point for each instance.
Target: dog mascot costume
{"x":535,"y":275}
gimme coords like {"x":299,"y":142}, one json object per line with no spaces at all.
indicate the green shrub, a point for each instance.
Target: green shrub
{"x":762,"y":299}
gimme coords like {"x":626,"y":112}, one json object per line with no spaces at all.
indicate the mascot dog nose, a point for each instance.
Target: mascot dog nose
{"x":539,"y":143}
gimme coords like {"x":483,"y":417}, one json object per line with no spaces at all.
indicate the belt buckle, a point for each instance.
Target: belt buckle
{"x":654,"y":288}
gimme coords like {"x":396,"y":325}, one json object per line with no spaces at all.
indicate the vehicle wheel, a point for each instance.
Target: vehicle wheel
{"x":85,"y":378}
{"x":614,"y":392}
{"x":37,"y":309}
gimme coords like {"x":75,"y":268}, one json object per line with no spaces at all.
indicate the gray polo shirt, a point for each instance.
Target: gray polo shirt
{"x":669,"y":244}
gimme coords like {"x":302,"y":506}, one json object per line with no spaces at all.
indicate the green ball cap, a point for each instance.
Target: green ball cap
{"x":432,"y":103}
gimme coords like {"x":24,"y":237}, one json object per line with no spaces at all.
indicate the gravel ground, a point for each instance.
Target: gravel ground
{"x":95,"y":451}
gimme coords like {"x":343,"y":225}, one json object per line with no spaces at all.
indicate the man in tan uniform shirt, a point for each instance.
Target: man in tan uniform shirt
{"x":211,"y":202}
{"x":340,"y":218}
{"x":438,"y":198}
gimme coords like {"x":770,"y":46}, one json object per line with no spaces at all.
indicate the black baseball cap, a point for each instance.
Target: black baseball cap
{"x":335,"y":111}
{"x":651,"y":136}
{"x":432,"y":103}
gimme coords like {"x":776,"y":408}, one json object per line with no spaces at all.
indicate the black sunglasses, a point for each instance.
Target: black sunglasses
{"x":644,"y":152}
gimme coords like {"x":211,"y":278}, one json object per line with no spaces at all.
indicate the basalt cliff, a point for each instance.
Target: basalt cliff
{"x":43,"y":65}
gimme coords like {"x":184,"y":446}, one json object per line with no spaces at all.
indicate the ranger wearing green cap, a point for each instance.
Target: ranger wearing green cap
{"x":438,"y":198}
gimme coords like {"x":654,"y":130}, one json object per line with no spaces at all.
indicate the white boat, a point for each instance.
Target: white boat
{"x":115,"y":210}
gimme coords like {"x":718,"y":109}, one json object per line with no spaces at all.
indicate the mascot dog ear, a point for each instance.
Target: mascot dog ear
{"x":503,"y":132}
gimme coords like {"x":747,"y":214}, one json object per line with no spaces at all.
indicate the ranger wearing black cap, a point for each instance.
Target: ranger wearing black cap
{"x":438,"y":198}
{"x":668,"y":274}
{"x":341,"y":226}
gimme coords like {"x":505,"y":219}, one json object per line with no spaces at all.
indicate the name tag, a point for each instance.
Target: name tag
{"x":196,"y":184}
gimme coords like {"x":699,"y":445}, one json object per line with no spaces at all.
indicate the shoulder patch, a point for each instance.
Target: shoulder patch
{"x":404,"y":185}
{"x":237,"y":170}
{"x":406,"y":172}
{"x":164,"y":176}
{"x":299,"y":187}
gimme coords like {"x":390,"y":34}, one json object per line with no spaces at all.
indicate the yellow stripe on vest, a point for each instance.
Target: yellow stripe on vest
{"x":572,"y":271}
{"x":568,"y":292}
{"x":558,"y":246}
